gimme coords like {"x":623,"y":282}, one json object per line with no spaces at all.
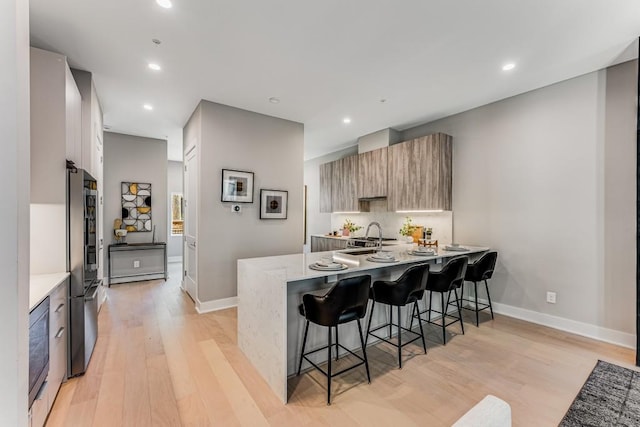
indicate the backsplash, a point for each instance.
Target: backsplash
{"x":391,"y":222}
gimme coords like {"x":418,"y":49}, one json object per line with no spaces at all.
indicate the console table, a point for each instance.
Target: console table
{"x":137,"y":261}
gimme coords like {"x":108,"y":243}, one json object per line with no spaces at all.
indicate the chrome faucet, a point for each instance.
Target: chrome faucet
{"x":366,"y":234}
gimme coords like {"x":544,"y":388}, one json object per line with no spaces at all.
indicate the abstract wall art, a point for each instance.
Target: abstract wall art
{"x":136,"y":206}
{"x":273,"y":204}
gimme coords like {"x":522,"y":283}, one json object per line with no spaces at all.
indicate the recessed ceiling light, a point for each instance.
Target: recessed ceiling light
{"x":148,"y":107}
{"x":154,"y":66}
{"x":274,"y":100}
{"x":164,"y":3}
{"x":383,"y":100}
{"x":346,"y":120}
{"x":509,"y":66}
{"x":156,"y":41}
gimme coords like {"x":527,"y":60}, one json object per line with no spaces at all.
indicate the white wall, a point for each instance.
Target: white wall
{"x":548,"y":179}
{"x":174,"y":185}
{"x":134,"y":159}
{"x":272,"y":148}
{"x":14,"y":215}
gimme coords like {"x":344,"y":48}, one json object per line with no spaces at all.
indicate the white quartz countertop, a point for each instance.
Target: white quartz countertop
{"x":41,"y":285}
{"x":296,"y":266}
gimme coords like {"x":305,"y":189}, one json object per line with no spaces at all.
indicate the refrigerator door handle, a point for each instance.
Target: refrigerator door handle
{"x":93,"y":295}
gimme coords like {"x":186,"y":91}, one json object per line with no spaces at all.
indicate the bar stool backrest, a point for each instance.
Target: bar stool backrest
{"x":483,"y":268}
{"x":348,"y":297}
{"x":451,"y":276}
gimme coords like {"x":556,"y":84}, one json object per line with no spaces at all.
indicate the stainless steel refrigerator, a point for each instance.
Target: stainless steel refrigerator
{"x":82,"y":250}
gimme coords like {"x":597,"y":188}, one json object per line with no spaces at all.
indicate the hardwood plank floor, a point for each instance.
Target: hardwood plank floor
{"x":159,"y":363}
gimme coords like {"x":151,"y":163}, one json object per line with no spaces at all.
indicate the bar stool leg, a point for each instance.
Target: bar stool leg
{"x":458,"y":304}
{"x":399,"y":340}
{"x":488,"y":297}
{"x":329,"y":369}
{"x":417,"y":310}
{"x":430,"y":296}
{"x":304,"y":343}
{"x":444,"y":310}
{"x":366,"y":338}
{"x":390,"y":321}
{"x":337,"y":348}
{"x":475,"y":286}
{"x":364,"y":352}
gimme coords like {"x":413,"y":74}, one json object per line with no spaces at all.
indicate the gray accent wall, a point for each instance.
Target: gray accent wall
{"x":548,"y":179}
{"x":174,"y":185}
{"x":134,"y":159}
{"x":272,"y":148}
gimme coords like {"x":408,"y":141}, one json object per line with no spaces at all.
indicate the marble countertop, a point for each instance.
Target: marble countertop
{"x":296,"y":266}
{"x":41,"y":285}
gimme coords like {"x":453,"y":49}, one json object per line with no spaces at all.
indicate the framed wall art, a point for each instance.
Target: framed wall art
{"x":237,"y":186}
{"x":136,"y":206}
{"x":273,"y":204}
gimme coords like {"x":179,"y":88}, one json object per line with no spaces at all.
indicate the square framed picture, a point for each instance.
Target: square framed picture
{"x":273,"y":204}
{"x":237,"y":186}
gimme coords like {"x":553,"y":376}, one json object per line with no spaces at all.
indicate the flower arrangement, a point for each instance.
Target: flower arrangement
{"x":408,"y":228}
{"x":350,"y":225}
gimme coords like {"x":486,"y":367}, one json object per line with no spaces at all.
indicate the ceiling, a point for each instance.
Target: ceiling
{"x":327,"y":60}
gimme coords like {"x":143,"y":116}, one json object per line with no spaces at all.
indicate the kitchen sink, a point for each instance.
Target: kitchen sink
{"x":360,"y":251}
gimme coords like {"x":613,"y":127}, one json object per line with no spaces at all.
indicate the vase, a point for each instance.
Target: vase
{"x":345,"y":232}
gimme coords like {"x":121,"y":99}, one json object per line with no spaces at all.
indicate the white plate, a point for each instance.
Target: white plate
{"x":321,"y":268}
{"x":382,"y":259}
{"x":422,"y":253}
{"x":455,"y":249}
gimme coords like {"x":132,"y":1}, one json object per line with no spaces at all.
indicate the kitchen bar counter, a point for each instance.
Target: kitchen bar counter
{"x":41,"y":285}
{"x":270,"y":289}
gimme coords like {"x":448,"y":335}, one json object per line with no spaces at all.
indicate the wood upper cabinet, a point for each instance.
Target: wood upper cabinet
{"x":325,"y":187}
{"x":372,"y":174}
{"x":344,"y":185}
{"x":420,"y":174}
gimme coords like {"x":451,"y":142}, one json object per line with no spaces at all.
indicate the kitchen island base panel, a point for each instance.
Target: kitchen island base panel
{"x":262,"y":323}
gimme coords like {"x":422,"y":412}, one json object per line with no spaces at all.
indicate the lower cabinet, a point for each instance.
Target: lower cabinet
{"x":58,"y":309}
{"x":322,"y":244}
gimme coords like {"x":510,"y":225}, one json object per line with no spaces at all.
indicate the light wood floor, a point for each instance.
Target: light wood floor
{"x":158,"y":363}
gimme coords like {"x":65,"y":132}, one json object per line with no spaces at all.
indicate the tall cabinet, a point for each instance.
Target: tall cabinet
{"x":92,"y":155}
{"x":420,"y":174}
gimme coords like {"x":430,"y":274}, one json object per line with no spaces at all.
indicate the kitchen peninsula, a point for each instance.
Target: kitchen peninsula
{"x":271,"y":288}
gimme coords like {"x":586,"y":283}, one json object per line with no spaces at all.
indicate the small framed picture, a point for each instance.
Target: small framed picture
{"x":273,"y":204}
{"x":237,"y":186}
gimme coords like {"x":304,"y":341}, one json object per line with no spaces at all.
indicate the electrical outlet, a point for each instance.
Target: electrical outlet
{"x":551,"y":297}
{"x":136,"y":264}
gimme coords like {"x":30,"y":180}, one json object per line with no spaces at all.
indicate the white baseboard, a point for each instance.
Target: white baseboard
{"x":579,"y":328}
{"x":215,"y":305}
{"x":174,"y":259}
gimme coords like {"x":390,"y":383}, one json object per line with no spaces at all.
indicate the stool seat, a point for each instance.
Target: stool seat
{"x":345,"y":302}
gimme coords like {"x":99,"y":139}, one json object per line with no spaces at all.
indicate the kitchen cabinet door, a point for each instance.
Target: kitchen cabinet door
{"x":58,"y":333}
{"x":420,"y":174}
{"x":372,"y":174}
{"x":325,"y":187}
{"x":344,"y":185}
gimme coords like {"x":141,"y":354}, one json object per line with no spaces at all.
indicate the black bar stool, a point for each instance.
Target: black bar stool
{"x":409,"y":288}
{"x":479,"y":271}
{"x":448,"y":279}
{"x":345,"y":302}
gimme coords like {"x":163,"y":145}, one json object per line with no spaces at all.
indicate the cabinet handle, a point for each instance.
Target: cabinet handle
{"x":59,"y":308}
{"x":60,"y":332}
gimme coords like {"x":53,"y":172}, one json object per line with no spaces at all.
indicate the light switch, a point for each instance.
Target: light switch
{"x":136,"y":264}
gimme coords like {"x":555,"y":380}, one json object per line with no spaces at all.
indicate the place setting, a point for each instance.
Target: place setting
{"x":455,"y":247}
{"x":422,"y":251}
{"x":382,"y":256}
{"x":327,"y":264}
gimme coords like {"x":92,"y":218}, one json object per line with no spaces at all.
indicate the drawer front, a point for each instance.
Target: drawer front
{"x":58,"y":332}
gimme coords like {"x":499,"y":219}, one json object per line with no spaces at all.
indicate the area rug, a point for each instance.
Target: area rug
{"x":609,"y":397}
